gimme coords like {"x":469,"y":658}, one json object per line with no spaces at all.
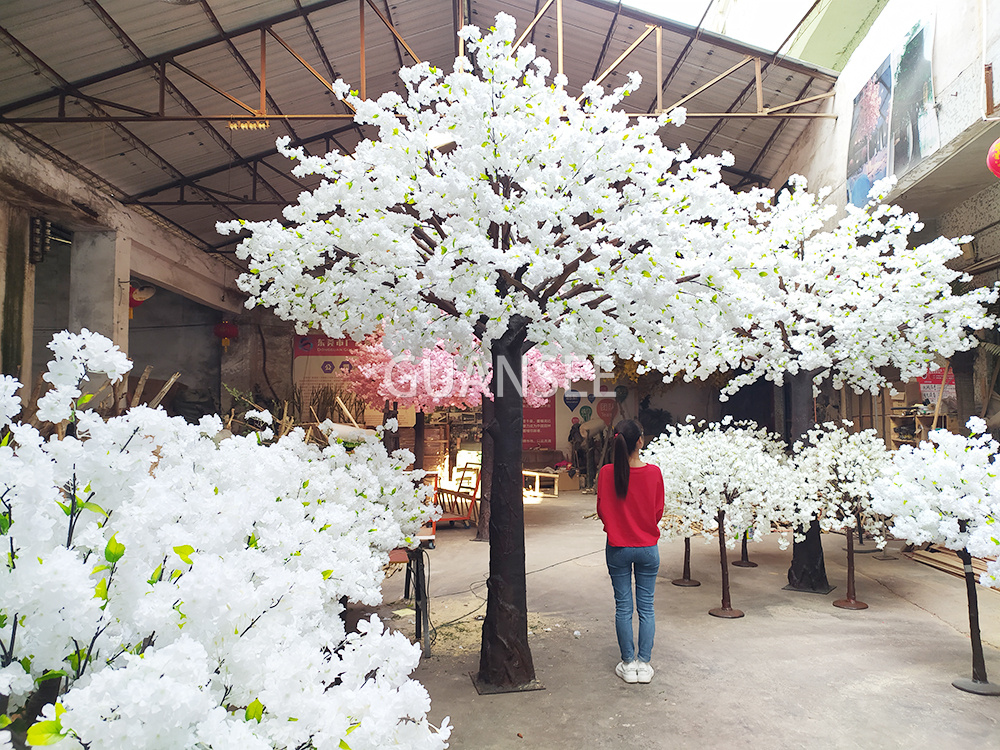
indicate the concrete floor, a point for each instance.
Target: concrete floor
{"x":795,"y":672}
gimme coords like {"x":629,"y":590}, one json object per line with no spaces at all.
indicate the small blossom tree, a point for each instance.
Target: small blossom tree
{"x":725,"y":477}
{"x":562,"y":221}
{"x":947,"y":491}
{"x":840,"y":468}
{"x":161,"y":590}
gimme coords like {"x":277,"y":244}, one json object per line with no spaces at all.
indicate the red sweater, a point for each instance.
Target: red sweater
{"x":634,"y":521}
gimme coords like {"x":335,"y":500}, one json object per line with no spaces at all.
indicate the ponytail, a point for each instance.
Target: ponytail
{"x":627,"y":435}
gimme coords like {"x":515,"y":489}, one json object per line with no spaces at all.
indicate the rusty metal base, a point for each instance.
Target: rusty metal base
{"x":850,"y":604}
{"x":973,"y":686}
{"x":686,"y":582}
{"x":727,"y":614}
{"x":744,"y":564}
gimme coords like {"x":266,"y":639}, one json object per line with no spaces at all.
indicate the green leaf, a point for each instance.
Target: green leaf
{"x":327,"y":574}
{"x":157,"y":575}
{"x":64,"y":507}
{"x":184,"y":553}
{"x":344,"y":746}
{"x":4,"y":524}
{"x":85,"y":399}
{"x":45,"y":733}
{"x":255,"y":710}
{"x":305,"y":484}
{"x":51,"y":675}
{"x":5,"y":721}
{"x":94,"y":507}
{"x":114,"y":550}
{"x":101,"y":589}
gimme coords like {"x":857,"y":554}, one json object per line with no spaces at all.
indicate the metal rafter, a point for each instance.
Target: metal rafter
{"x":155,"y":60}
{"x":243,"y":162}
{"x":271,"y":104}
{"x":94,"y":180}
{"x":175,"y":93}
{"x":124,"y":133}
{"x":607,"y":40}
{"x":775,"y":133}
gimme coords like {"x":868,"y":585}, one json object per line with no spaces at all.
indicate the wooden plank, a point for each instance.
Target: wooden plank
{"x":140,"y":386}
{"x":163,"y":391}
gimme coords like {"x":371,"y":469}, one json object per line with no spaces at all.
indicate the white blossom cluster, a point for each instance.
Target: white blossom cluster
{"x":946,"y":491}
{"x":727,"y":466}
{"x":188,"y":592}
{"x":579,"y":219}
{"x":840,"y":468}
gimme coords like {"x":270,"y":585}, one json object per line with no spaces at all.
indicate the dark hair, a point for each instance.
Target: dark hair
{"x":627,"y":434}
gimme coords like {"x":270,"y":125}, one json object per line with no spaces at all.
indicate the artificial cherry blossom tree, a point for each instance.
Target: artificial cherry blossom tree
{"x":562,"y":221}
{"x":437,"y":377}
{"x":947,"y":491}
{"x":725,"y":477}
{"x":841,"y":467}
{"x":162,"y":590}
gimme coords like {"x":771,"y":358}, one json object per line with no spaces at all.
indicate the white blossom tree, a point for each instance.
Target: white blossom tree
{"x":728,"y":478}
{"x":947,"y":491}
{"x":557,"y":221}
{"x":840,"y":468}
{"x":161,"y":590}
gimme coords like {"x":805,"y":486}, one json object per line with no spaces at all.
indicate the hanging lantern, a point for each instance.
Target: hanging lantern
{"x":993,"y":158}
{"x":225,"y":331}
{"x":137,"y":295}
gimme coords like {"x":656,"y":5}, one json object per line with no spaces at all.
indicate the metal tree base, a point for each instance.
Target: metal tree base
{"x":969,"y":685}
{"x":744,"y":564}
{"x":485,"y":688}
{"x":726,"y":613}
{"x":686,"y":582}
{"x":850,"y":604}
{"x":821,"y":591}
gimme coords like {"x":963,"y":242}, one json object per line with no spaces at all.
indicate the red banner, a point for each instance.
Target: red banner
{"x":540,"y":426}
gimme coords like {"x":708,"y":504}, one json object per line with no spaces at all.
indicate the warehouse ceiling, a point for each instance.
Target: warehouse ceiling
{"x":156,"y":103}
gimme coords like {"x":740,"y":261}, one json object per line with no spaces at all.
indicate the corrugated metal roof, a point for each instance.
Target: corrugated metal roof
{"x":94,"y":57}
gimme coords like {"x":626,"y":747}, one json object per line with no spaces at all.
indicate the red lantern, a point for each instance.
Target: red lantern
{"x":993,"y":158}
{"x":226,"y":331}
{"x":137,"y":295}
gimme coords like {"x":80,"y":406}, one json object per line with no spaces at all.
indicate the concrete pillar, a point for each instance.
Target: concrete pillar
{"x":16,"y":293}
{"x":99,"y":285}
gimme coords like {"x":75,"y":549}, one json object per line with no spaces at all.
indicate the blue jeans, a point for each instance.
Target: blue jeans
{"x":646,"y":562}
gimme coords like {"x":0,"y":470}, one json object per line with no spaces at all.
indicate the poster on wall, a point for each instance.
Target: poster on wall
{"x":320,"y":366}
{"x":991,"y":45}
{"x":868,"y":152}
{"x":914,"y":124}
{"x":540,"y":425}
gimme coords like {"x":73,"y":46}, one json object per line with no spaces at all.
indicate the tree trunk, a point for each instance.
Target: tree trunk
{"x":418,"y":441}
{"x":963,"y":365}
{"x":485,"y":476}
{"x":390,"y":440}
{"x":808,"y":569}
{"x":505,"y":660}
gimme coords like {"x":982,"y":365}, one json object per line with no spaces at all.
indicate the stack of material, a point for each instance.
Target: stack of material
{"x":946,"y":560}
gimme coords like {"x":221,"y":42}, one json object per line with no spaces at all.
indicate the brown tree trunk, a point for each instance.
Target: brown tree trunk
{"x":485,"y":476}
{"x":808,"y":569}
{"x":963,"y":365}
{"x":390,"y":440}
{"x":505,"y":660}
{"x":418,"y":441}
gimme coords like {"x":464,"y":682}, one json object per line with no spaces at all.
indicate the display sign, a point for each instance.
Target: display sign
{"x":540,"y":425}
{"x":930,"y":385}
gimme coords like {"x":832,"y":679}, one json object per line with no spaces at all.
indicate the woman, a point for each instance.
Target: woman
{"x":630,"y":503}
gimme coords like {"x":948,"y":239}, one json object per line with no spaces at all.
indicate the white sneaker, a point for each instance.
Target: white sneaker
{"x":627,"y":671}
{"x":643,"y":671}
